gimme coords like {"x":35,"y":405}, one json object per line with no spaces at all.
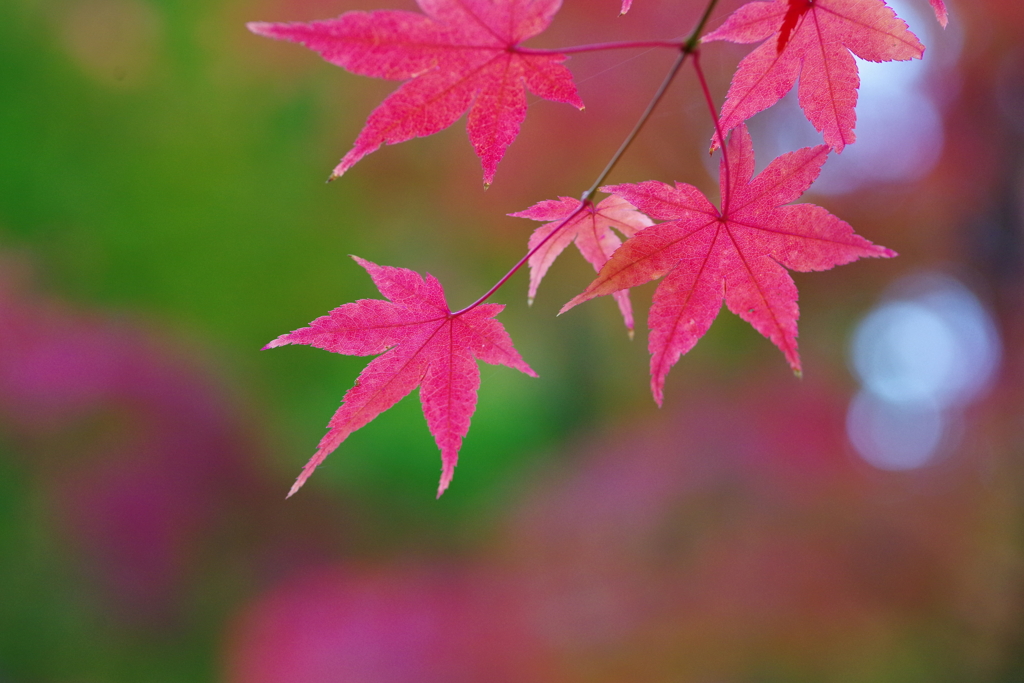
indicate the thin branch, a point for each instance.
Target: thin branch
{"x":691,"y":42}
{"x":686,"y":48}
{"x":639,"y":124}
{"x":585,"y":198}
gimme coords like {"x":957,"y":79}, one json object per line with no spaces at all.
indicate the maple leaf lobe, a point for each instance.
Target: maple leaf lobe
{"x":739,"y":255}
{"x":421,"y":344}
{"x":458,"y":56}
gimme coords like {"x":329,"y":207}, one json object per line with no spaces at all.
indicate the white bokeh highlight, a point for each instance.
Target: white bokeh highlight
{"x":921,"y":356}
{"x":894,"y":436}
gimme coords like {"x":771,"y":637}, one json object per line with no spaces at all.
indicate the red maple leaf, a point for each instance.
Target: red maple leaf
{"x":423,"y":345}
{"x":813,"y":40}
{"x":463,"y":55}
{"x":736,"y":254}
{"x":590,"y":228}
{"x":938,"y":5}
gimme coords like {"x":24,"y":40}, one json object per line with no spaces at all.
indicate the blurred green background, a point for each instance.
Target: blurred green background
{"x":163,"y":214}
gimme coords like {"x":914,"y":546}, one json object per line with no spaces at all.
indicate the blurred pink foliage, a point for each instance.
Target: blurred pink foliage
{"x":442,"y":623}
{"x":732,"y":534}
{"x":133,"y":437}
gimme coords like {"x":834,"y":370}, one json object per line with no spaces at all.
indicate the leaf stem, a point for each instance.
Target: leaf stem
{"x":686,"y":48}
{"x":598,"y":47}
{"x":727,"y":191}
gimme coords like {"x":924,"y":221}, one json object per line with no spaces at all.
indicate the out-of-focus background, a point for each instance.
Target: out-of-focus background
{"x":163,"y":214}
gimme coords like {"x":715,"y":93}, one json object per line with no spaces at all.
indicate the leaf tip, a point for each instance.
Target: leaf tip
{"x":529,"y":301}
{"x":347,"y":162}
{"x":260,"y":28}
{"x":631,"y":332}
{"x":447,"y":472}
{"x":361,"y":261}
{"x":295,"y":487}
{"x":658,"y":386}
{"x":490,"y":167}
{"x":572,"y":304}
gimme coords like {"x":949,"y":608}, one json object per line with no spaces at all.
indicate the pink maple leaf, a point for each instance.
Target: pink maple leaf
{"x":626,"y":4}
{"x":739,"y":254}
{"x":940,"y":12}
{"x":812,"y":39}
{"x":459,"y":55}
{"x":590,"y":228}
{"x":423,"y":345}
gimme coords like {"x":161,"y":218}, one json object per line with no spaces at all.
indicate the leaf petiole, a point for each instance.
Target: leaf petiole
{"x":599,"y":47}
{"x":718,"y":130}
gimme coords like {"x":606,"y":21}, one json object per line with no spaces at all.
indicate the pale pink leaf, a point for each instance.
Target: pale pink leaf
{"x":590,"y":228}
